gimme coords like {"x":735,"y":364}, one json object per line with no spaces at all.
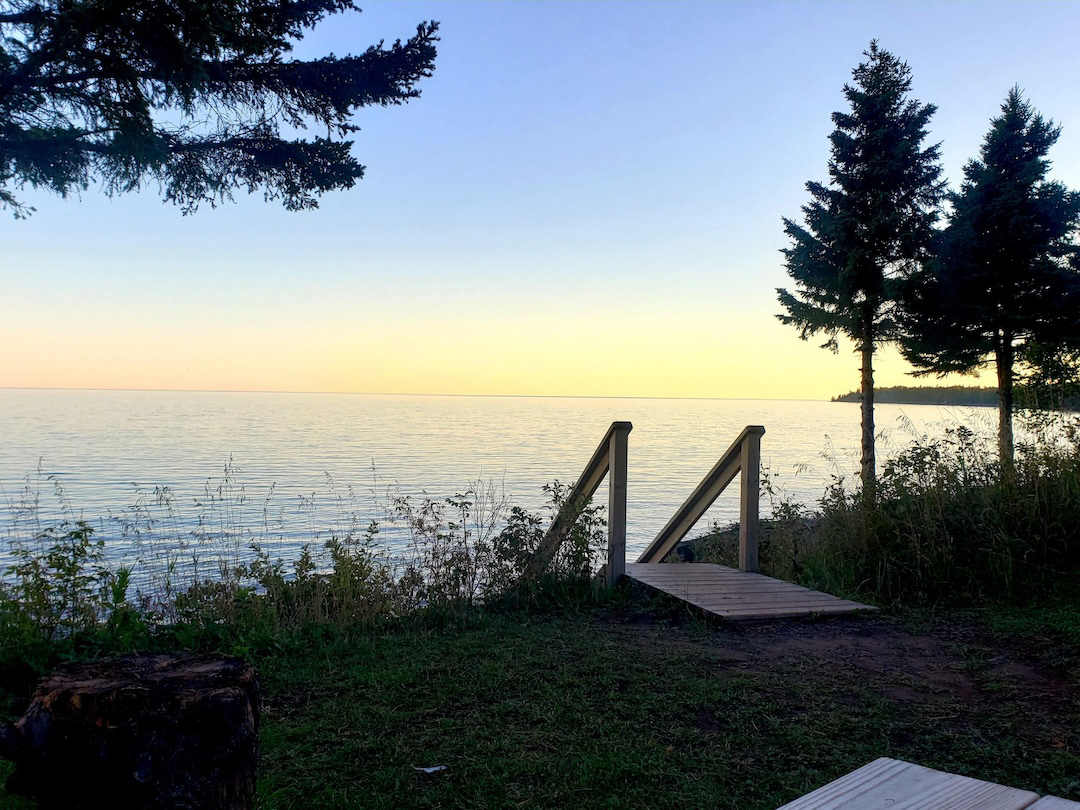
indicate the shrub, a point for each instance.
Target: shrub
{"x":951,"y":525}
{"x":57,"y":595}
{"x":60,"y":597}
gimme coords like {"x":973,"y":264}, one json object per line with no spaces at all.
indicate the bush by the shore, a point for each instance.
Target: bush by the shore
{"x":949,"y":525}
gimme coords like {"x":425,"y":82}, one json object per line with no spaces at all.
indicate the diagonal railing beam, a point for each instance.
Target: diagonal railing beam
{"x":610,"y":455}
{"x":743,"y":456}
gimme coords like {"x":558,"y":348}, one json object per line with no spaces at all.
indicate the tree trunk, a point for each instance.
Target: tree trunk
{"x":148,"y":732}
{"x":1003,"y":357}
{"x":869,"y":460}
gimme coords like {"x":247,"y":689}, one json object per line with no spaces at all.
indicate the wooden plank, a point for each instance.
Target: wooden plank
{"x":717,"y":605}
{"x":719,"y":582}
{"x":705,"y":585}
{"x":897,"y":785}
{"x":703,"y":576}
{"x":777,"y":615}
{"x":766,"y":604}
{"x":724,"y":586}
{"x":754,"y":596}
{"x":674,"y":571}
{"x":1054,"y":803}
{"x":781,"y":610}
{"x":721,"y":586}
{"x":737,"y":595}
{"x":694,"y":569}
{"x":712,"y":586}
{"x":774,"y":609}
{"x":707,"y":589}
{"x":698,"y":569}
{"x":751,"y":598}
{"x":763,"y":607}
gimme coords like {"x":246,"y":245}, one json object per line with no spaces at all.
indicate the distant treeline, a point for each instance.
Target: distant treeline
{"x":955,"y":395}
{"x":928,"y":395}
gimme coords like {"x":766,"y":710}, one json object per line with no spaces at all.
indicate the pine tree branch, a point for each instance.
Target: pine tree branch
{"x":191,"y":93}
{"x":30,"y":16}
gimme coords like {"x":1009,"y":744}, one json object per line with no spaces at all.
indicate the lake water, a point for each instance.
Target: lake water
{"x":108,"y":450}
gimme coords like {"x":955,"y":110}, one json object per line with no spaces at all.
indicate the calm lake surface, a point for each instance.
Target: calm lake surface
{"x":108,"y":450}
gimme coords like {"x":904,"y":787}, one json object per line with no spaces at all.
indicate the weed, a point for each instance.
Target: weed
{"x":949,"y":525}
{"x":212,"y":580}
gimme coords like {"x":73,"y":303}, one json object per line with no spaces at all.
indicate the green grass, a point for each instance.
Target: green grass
{"x":595,"y":711}
{"x":1055,"y":618}
{"x":628,"y":706}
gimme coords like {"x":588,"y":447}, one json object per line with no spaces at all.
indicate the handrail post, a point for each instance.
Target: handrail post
{"x":616,"y":552}
{"x":749,"y":497}
{"x":578,"y":498}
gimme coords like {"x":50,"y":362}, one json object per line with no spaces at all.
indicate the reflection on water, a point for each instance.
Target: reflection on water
{"x":304,"y":465}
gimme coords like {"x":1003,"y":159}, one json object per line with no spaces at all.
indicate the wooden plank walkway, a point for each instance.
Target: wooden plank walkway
{"x":737,"y":595}
{"x":893,"y":784}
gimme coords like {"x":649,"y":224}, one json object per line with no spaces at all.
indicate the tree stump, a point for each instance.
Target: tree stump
{"x":155,"y":731}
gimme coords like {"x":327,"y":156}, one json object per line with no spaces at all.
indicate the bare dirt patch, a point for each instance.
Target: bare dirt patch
{"x":950,"y":674}
{"x":948,"y":658}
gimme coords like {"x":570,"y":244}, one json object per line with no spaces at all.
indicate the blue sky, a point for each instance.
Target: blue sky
{"x":585,"y":200}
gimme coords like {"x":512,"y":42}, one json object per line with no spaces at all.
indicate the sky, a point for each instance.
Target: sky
{"x":586,"y":200}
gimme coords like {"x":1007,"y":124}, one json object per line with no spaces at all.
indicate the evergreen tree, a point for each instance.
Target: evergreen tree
{"x":1007,"y":274}
{"x":190,"y":94}
{"x":870,"y":226}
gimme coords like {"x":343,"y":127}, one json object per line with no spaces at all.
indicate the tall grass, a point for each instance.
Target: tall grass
{"x":949,"y":525}
{"x":214,"y":570}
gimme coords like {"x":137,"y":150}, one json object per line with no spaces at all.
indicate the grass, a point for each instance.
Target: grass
{"x":624,"y":705}
{"x":596,"y":710}
{"x":630,"y":703}
{"x":1055,"y":618}
{"x":602,"y":710}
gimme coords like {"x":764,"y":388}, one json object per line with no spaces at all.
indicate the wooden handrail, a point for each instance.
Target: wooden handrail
{"x":744,"y":456}
{"x":611,"y":456}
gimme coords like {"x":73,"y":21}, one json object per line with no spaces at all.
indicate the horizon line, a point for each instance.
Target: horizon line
{"x":395,"y":393}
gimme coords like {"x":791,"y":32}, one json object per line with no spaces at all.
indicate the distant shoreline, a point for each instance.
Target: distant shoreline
{"x":957,"y":395}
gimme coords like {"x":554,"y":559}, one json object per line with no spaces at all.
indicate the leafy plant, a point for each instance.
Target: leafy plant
{"x":65,"y":587}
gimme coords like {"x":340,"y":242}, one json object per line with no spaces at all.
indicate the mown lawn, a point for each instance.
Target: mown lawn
{"x":614,"y":708}
{"x":600,"y":710}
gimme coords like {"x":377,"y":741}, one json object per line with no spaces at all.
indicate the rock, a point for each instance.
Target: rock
{"x":685,"y":552}
{"x":156,"y":731}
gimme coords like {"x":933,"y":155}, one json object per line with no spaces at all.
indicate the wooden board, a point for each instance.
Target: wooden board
{"x":1054,"y":803}
{"x":897,"y":785}
{"x":735,"y":595}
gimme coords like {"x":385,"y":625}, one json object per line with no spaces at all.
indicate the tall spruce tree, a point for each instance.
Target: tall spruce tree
{"x":1008,"y":273}
{"x":870,"y":226}
{"x":199,"y":96}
